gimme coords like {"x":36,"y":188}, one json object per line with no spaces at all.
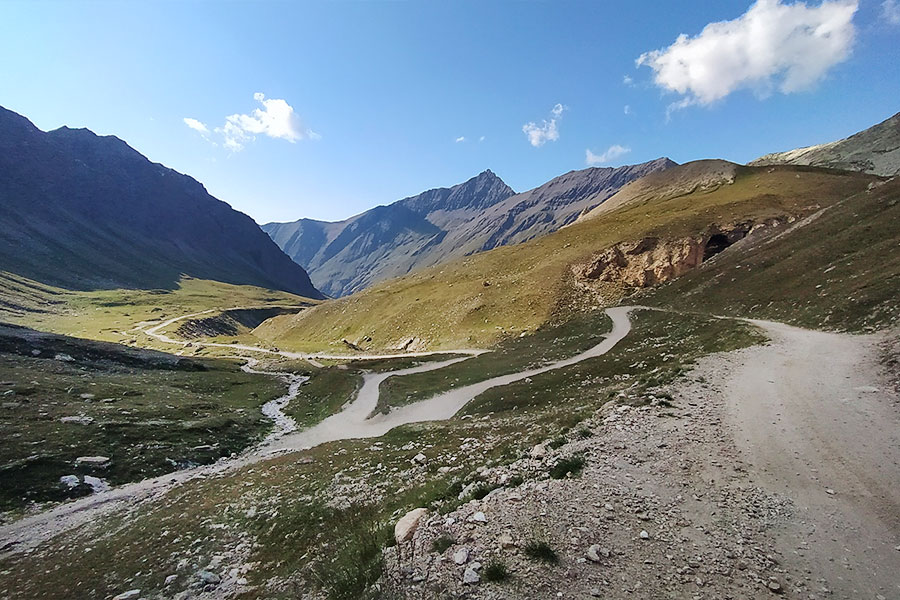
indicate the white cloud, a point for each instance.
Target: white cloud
{"x":890,"y":11}
{"x":773,"y":45}
{"x":196,"y":125}
{"x":627,"y":109}
{"x":627,"y":80}
{"x":538,"y":135}
{"x":276,"y":119}
{"x":612,"y":153}
{"x":481,"y":139}
{"x":461,"y":138}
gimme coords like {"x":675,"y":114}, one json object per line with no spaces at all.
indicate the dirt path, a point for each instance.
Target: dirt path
{"x":811,"y":416}
{"x":351,"y":422}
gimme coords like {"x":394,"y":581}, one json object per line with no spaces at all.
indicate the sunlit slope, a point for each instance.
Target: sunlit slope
{"x":111,"y":315}
{"x":840,"y":269}
{"x":477,"y":300}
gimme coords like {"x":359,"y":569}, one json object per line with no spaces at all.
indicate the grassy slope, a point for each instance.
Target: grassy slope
{"x":840,"y":271}
{"x":149,"y":421}
{"x":450,"y":305}
{"x":292,"y":503}
{"x":109,"y":314}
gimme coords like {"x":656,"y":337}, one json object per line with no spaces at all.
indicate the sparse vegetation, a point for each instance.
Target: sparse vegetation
{"x":542,"y":551}
{"x":566,"y":467}
{"x":441,"y":543}
{"x":495,"y":571}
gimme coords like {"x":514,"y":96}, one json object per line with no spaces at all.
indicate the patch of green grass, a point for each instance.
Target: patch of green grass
{"x":495,"y":571}
{"x":441,"y":543}
{"x":483,"y":489}
{"x":148,"y":421}
{"x":566,"y":467}
{"x":546,"y":345}
{"x":542,"y":551}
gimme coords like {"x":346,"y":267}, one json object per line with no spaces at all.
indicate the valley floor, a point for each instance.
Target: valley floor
{"x":774,"y":471}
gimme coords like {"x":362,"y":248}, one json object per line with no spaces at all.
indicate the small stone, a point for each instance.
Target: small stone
{"x":539,"y":451}
{"x":645,"y":535}
{"x":242,"y":581}
{"x":419,"y":459}
{"x":208,"y":577}
{"x":70,"y":481}
{"x":461,"y":556}
{"x":67,"y":358}
{"x":596,"y":592}
{"x":87,"y":396}
{"x":408,"y":523}
{"x":129,"y":595}
{"x":829,"y":491}
{"x":477,"y":518}
{"x":774,"y":586}
{"x":170,"y":580}
{"x":593,"y":553}
{"x":471,"y":576}
{"x":506,"y":541}
{"x":94,"y":461}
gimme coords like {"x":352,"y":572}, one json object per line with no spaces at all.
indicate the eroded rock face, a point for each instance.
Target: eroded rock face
{"x":651,"y":261}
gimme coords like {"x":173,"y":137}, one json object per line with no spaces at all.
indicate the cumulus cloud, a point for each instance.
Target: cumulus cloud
{"x":627,"y":80}
{"x":612,"y":153}
{"x":773,"y":45}
{"x":461,"y":138}
{"x":275,"y":119}
{"x":627,"y":109}
{"x":547,"y":131}
{"x":890,"y":11}
{"x":196,"y":125}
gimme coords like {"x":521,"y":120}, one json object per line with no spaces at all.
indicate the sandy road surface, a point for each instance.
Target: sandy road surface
{"x":812,"y":418}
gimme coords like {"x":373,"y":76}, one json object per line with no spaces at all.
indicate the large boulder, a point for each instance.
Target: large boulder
{"x":408,"y":523}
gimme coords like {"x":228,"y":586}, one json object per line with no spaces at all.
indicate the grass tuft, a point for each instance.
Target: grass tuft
{"x":542,"y":551}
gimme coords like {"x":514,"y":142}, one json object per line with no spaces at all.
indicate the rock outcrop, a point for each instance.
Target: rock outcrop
{"x":651,"y":261}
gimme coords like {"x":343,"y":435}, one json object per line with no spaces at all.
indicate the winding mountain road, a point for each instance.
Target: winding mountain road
{"x":351,"y":422}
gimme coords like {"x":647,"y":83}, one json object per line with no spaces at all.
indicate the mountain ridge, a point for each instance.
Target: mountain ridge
{"x":479,"y":214}
{"x":875,"y":150}
{"x":83,"y":211}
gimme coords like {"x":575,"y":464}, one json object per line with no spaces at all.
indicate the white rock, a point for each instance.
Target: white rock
{"x":67,"y":358}
{"x":419,"y":459}
{"x":170,"y":579}
{"x":539,"y":451}
{"x":593,"y":553}
{"x":471,"y":576}
{"x":477,"y":518}
{"x":506,"y":541}
{"x":96,"y":461}
{"x":97,"y":484}
{"x":645,"y":535}
{"x":408,"y":523}
{"x":69,"y":480}
{"x":129,"y":595}
{"x":461,"y":556}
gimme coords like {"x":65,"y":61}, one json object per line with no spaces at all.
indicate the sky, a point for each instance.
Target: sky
{"x":322,"y":110}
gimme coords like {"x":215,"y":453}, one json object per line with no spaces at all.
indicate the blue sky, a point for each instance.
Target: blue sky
{"x":362,"y":103}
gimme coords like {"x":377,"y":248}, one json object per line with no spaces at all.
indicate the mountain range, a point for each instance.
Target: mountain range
{"x":82,"y":211}
{"x":445,"y":223}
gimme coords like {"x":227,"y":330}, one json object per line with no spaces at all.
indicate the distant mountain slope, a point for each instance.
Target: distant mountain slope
{"x":510,"y":291}
{"x":81,"y":211}
{"x":445,"y":223}
{"x":875,"y":150}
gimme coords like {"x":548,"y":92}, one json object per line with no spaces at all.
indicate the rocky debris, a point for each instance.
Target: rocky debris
{"x":64,"y":358}
{"x":407,"y":525}
{"x":663,"y":508}
{"x":70,"y":481}
{"x":129,"y":595}
{"x":419,"y":459}
{"x":170,"y":580}
{"x":410,"y":344}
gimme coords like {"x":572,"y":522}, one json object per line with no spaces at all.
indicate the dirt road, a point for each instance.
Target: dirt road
{"x":816,"y":424}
